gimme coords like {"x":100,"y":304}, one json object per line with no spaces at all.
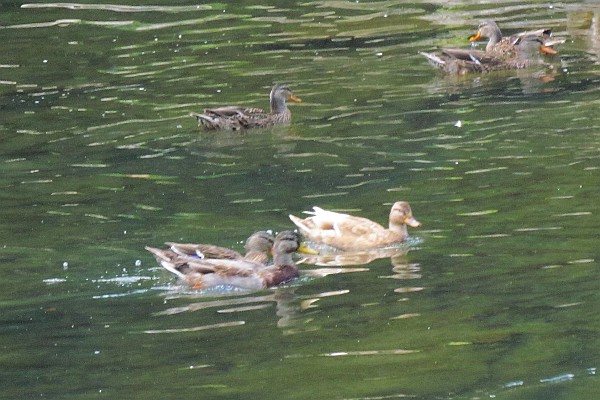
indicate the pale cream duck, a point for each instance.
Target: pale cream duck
{"x":350,"y":233}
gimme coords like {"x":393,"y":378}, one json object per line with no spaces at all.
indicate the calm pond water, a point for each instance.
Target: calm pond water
{"x":495,"y":296}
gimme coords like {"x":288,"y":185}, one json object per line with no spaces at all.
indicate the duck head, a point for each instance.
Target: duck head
{"x":401,"y":215}
{"x":280,"y":93}
{"x":488,"y":30}
{"x":261,"y":241}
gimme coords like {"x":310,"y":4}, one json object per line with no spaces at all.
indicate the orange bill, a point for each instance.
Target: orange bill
{"x":295,"y":99}
{"x":475,"y":37}
{"x":547,"y":50}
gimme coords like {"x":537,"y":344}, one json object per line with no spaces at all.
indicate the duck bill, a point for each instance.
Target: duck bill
{"x":304,"y":249}
{"x":475,"y":37}
{"x":295,"y":99}
{"x":413,"y":223}
{"x":547,"y":50}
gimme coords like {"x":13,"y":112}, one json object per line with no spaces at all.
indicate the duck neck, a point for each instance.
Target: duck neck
{"x":278,"y":105}
{"x":399,"y":229}
{"x":257,"y":256}
{"x":284,"y":274}
{"x":284,"y":270}
{"x":495,"y":38}
{"x":283,"y":260}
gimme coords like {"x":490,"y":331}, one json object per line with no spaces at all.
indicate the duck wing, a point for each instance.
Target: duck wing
{"x":464,"y":54}
{"x":229,"y":117}
{"x":232,"y":111}
{"x":358,"y":226}
{"x":204,"y":251}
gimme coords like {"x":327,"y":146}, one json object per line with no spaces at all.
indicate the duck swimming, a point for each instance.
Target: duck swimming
{"x":502,"y":53}
{"x":502,"y":44}
{"x":348,"y":232}
{"x":242,"y":273}
{"x":462,"y":62}
{"x":240,"y":117}
{"x":258,"y":248}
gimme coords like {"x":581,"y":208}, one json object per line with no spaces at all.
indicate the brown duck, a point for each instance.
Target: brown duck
{"x":242,"y":273}
{"x":462,"y":62}
{"x":505,"y":44}
{"x":502,"y":53}
{"x":258,"y":248}
{"x":240,"y":117}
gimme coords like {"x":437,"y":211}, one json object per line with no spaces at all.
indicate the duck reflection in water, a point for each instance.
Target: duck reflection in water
{"x":329,"y":257}
{"x":294,"y":312}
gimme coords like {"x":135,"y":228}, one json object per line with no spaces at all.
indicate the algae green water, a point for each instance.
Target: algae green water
{"x":495,"y":296}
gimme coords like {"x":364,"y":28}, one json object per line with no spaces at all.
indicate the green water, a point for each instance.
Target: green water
{"x":496,"y":296}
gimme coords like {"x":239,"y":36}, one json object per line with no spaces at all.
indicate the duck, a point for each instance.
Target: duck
{"x":240,"y":117}
{"x":241,"y":273}
{"x":501,"y":53}
{"x":258,"y":249}
{"x":351,"y":233}
{"x":462,"y":62}
{"x":497,"y":43}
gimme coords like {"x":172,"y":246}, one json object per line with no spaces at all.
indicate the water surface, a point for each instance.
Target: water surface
{"x":495,"y":296}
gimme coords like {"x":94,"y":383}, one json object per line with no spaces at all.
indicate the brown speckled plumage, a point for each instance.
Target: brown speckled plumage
{"x":243,"y":273}
{"x":239,"y":117}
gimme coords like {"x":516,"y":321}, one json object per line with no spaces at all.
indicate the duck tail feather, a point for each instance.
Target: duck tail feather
{"x":299,"y":223}
{"x":434,"y":60}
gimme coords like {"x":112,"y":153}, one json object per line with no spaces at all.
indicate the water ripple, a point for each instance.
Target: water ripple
{"x":196,"y":328}
{"x":66,"y":22}
{"x":118,"y":7}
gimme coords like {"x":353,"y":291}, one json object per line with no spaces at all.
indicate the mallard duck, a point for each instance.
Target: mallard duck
{"x":241,"y":273}
{"x":501,"y":53}
{"x":505,"y":44}
{"x":461,"y":62}
{"x":347,"y":232}
{"x":258,"y":248}
{"x":240,"y":117}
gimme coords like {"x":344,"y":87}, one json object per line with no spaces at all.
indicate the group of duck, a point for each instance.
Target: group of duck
{"x":205,"y":265}
{"x":501,"y":53}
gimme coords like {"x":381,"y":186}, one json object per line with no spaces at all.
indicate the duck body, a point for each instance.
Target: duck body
{"x":241,"y":273}
{"x":351,"y":233}
{"x":501,"y":53}
{"x":462,"y":62}
{"x":240,"y":117}
{"x":258,"y":248}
